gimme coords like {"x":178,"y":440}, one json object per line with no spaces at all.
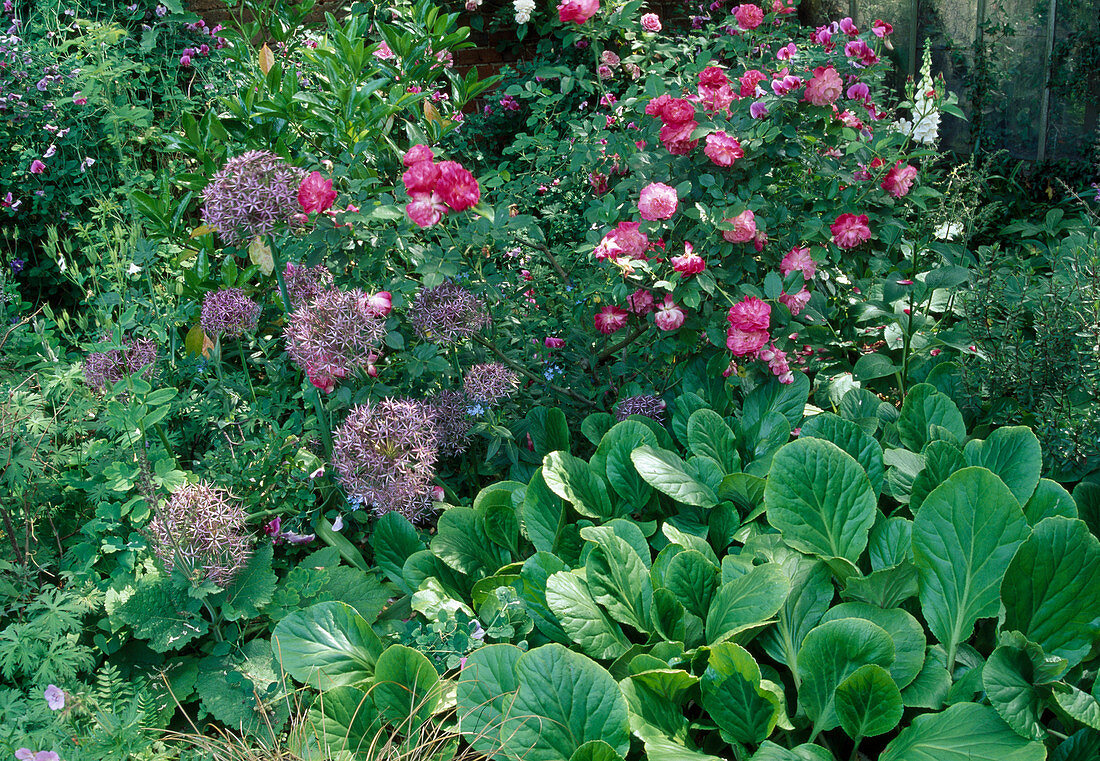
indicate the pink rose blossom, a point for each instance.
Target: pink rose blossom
{"x":418,"y":153}
{"x":640,"y":302}
{"x":750,"y":314}
{"x":315,"y":193}
{"x":742,"y":342}
{"x":577,"y":11}
{"x":551,"y":342}
{"x":798,"y":259}
{"x":421,"y":177}
{"x":426,"y":208}
{"x":457,"y":187}
{"x":749,"y":16}
{"x":749,"y":81}
{"x":850,"y":230}
{"x":744,"y":227}
{"x":657,"y":201}
{"x":669,"y":315}
{"x":795,"y":302}
{"x":624,"y":240}
{"x":610,"y":319}
{"x":723,"y":149}
{"x":37,"y":167}
{"x":380,"y":303}
{"x":383,"y":52}
{"x":825,"y":87}
{"x":690,"y":263}
{"x":899,"y":179}
{"x":651,"y":22}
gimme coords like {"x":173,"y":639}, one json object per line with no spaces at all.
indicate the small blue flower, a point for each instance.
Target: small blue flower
{"x":475,"y":410}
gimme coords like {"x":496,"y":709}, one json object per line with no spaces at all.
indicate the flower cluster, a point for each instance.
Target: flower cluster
{"x":106,"y":368}
{"x":304,"y":284}
{"x":490,"y":383}
{"x":677,"y":117}
{"x":447,"y":313}
{"x":646,"y":404}
{"x":254,"y":194}
{"x":200,"y":531}
{"x":451,"y":421}
{"x":434,"y":189}
{"x":524,"y":9}
{"x":384,"y":455}
{"x":335,"y":334}
{"x":748,"y":335}
{"x":228,"y":312}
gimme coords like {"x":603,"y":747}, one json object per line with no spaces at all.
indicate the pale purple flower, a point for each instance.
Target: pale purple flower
{"x":304,"y":284}
{"x":646,"y":404}
{"x":451,"y":421}
{"x":758,"y":110}
{"x":334,"y":335}
{"x":229,"y":312}
{"x":26,"y":754}
{"x":490,"y":383}
{"x":55,"y":697}
{"x":201,"y":531}
{"x":103,"y":369}
{"x":447,"y":313}
{"x":254,"y":194}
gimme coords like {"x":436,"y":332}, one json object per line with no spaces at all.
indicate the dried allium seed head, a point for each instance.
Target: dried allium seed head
{"x":447,"y":313}
{"x":229,"y":312}
{"x":200,"y":531}
{"x":304,"y":284}
{"x":252,"y":195}
{"x":490,"y":383}
{"x":384,"y":455}
{"x":106,"y":368}
{"x":334,"y":335}
{"x":451,"y":421}
{"x":646,"y":404}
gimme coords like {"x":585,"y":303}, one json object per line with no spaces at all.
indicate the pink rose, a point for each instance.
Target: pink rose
{"x":37,"y":167}
{"x":425,"y":209}
{"x":749,"y":16}
{"x":650,"y":22}
{"x":899,"y":179}
{"x":825,"y":87}
{"x":676,"y":137}
{"x":418,"y":153}
{"x":715,"y":99}
{"x":610,"y":319}
{"x":744,"y":227}
{"x":457,"y":187}
{"x":749,"y":80}
{"x":657,"y":201}
{"x":690,"y":263}
{"x":640,"y":302}
{"x":656,"y":107}
{"x":577,"y":11}
{"x":795,"y":302}
{"x":381,"y":303}
{"x":750,"y":314}
{"x":798,"y":259}
{"x":849,"y":230}
{"x":723,"y":149}
{"x":713,"y":76}
{"x":741,"y":342}
{"x":421,"y":177}
{"x":315,"y":193}
{"x":624,"y":240}
{"x":550,"y":342}
{"x":677,"y":111}
{"x":669,"y":315}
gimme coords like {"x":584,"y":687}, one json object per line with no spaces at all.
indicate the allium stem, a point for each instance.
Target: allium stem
{"x":247,"y":375}
{"x":167,"y":444}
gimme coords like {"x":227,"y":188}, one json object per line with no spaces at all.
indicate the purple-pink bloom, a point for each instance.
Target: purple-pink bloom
{"x":202,"y":533}
{"x":253,"y":194}
{"x":55,"y":697}
{"x":37,"y":167}
{"x":657,"y":201}
{"x":229,"y":312}
{"x":758,"y":110}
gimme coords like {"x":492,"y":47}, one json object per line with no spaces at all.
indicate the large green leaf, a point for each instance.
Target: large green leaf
{"x":616,"y":446}
{"x":930,"y":688}
{"x":252,"y":587}
{"x":923,"y":408}
{"x":326,"y":645}
{"x":710,"y":436}
{"x":406,"y":687}
{"x":941,"y":459}
{"x":666,"y":472}
{"x":1012,"y":678}
{"x":486,"y":686}
{"x":564,"y":700}
{"x":811,"y":594}
{"x":572,"y":479}
{"x":394,"y":540}
{"x":868,"y":702}
{"x":1083,"y":745}
{"x":533,"y":577}
{"x":542,"y":514}
{"x":694,"y":580}
{"x":891,"y":543}
{"x":903,"y":628}
{"x":1049,"y":500}
{"x":657,"y":697}
{"x":788,"y":399}
{"x":1077,"y":704}
{"x":885,"y":588}
{"x":342,"y":720}
{"x":462,"y":542}
{"x":769,"y":751}
{"x":660,"y":748}
{"x":964,"y":537}
{"x":731,"y":693}
{"x":595,"y":750}
{"x":831,"y":653}
{"x":549,"y":429}
{"x":1051,"y":590}
{"x":853,"y":440}
{"x":964,"y":732}
{"x":746,"y":602}
{"x":820,"y":499}
{"x":617,"y":578}
{"x":1087,"y":496}
{"x":1014,"y":454}
{"x":571,"y":602}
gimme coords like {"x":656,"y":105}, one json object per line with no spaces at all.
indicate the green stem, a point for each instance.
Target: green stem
{"x":247,"y":375}
{"x":213,"y":622}
{"x":855,"y":750}
{"x":167,"y":444}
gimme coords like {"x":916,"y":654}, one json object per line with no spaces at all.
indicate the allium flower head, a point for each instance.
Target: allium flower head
{"x":451,"y":421}
{"x":490,"y":383}
{"x":335,"y":334}
{"x":201,"y":532}
{"x":304,"y":284}
{"x":447,"y":313}
{"x":252,"y":195}
{"x":384,"y":454}
{"x":106,"y":368}
{"x":229,"y":312}
{"x":646,"y":404}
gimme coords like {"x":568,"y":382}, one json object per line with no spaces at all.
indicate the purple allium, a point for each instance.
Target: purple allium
{"x":384,"y":455}
{"x":252,"y":195}
{"x":106,"y":368}
{"x":447,"y":313}
{"x":229,"y":312}
{"x":304,"y":284}
{"x":334,"y":335}
{"x":646,"y":404}
{"x":201,"y":532}
{"x":55,"y":697}
{"x":451,"y":421}
{"x":490,"y":383}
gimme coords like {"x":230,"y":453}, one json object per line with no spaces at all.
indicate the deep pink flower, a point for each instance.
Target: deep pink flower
{"x":577,"y":11}
{"x":716,"y":99}
{"x":421,"y":177}
{"x":744,"y":227}
{"x":624,"y":240}
{"x":798,"y":259}
{"x":859,"y":91}
{"x":676,"y":137}
{"x":657,"y":201}
{"x":610,"y":319}
{"x":758,"y":110}
{"x":651,"y":22}
{"x":825,"y":87}
{"x":713,"y":76}
{"x":380,"y":304}
{"x":749,"y":80}
{"x":750,"y":314}
{"x":723,"y":149}
{"x":315,"y":193}
{"x":749,"y":16}
{"x":456,"y":186}
{"x":784,"y":53}
{"x":656,"y":106}
{"x":850,"y":230}
{"x":848,"y":27}
{"x":784,"y":82}
{"x":552,"y":342}
{"x":690,"y":263}
{"x":742,"y":342}
{"x":640,"y":302}
{"x":899,"y":179}
{"x":882,"y":29}
{"x":795,"y":302}
{"x":418,"y":153}
{"x":669,"y":315}
{"x":37,"y":167}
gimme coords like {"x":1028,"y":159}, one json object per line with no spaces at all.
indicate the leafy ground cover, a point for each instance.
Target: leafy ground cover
{"x":668,"y":396}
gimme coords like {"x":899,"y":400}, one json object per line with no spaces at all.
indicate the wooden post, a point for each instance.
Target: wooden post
{"x":1044,"y":111}
{"x":914,"y":15}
